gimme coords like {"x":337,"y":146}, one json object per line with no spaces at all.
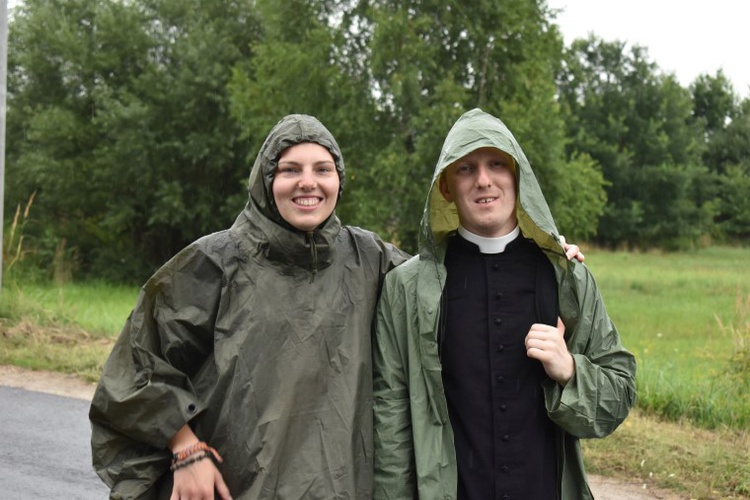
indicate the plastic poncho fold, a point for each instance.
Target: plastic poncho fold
{"x":258,"y":337}
{"x":414,"y":451}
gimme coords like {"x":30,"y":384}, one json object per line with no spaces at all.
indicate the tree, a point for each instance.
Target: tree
{"x":714,"y":101}
{"x":727,"y":155}
{"x":121,"y":114}
{"x":432,"y":60}
{"x":636,"y":123}
{"x":63,"y":52}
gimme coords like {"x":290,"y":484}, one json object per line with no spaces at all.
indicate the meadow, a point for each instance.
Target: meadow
{"x":685,"y":316}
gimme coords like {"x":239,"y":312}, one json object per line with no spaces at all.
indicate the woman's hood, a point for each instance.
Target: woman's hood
{"x":476,"y":129}
{"x":260,"y":226}
{"x":290,"y":130}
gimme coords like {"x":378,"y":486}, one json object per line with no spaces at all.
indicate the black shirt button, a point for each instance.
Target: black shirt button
{"x":498,"y":321}
{"x":498,"y":295}
{"x":506,"y":437}
{"x":504,"y":469}
{"x":501,"y":379}
{"x":500,"y":348}
{"x":503,"y":407}
{"x":495,"y":267}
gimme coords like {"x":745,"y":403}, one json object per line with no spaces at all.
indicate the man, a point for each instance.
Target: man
{"x":494,"y":354}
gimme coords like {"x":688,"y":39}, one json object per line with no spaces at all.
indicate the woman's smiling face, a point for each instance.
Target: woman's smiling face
{"x":306,"y":185}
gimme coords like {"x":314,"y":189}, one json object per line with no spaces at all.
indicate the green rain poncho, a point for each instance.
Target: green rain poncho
{"x":414,"y":451}
{"x":259,"y":337}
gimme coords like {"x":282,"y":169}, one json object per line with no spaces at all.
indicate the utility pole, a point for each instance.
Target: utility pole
{"x":3,"y":93}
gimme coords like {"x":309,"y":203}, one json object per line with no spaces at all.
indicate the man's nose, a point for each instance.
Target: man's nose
{"x":483,"y":178}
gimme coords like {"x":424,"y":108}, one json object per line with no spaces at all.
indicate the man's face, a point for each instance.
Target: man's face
{"x":306,"y":185}
{"x":483,"y":187}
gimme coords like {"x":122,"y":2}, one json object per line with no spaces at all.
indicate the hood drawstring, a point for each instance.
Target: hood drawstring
{"x":314,"y":252}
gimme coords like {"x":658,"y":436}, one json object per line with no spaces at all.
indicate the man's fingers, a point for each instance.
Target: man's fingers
{"x":561,"y":326}
{"x":572,"y":251}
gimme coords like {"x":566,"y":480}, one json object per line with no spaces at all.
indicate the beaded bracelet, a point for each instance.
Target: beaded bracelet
{"x":193,"y":449}
{"x":189,"y":461}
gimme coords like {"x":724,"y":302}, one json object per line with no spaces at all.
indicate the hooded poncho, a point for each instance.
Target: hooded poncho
{"x":259,"y":337}
{"x":414,"y":450}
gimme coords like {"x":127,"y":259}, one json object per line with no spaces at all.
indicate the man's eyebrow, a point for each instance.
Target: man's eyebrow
{"x":319,"y":162}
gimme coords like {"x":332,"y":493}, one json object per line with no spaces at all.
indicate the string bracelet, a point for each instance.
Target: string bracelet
{"x":193,"y":449}
{"x":197,"y":457}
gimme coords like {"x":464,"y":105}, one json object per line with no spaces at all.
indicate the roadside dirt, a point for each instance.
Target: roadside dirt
{"x":604,"y":488}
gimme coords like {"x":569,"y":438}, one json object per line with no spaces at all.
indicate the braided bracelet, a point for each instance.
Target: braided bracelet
{"x":189,"y":461}
{"x":193,"y":449}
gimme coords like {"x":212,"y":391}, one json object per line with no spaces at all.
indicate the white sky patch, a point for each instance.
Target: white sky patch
{"x":682,"y":37}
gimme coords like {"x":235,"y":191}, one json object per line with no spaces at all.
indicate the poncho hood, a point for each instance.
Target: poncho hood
{"x":476,"y":129}
{"x":269,"y":233}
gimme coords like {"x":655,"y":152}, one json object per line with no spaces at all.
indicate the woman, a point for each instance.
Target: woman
{"x":256,"y":341}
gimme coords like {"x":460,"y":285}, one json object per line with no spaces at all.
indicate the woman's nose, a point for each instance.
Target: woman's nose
{"x":307,"y":180}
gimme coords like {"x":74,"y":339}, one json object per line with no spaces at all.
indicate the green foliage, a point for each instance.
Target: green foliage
{"x":714,"y":101}
{"x":121,"y":114}
{"x":734,"y":202}
{"x":581,"y":200}
{"x":727,"y":159}
{"x":135,"y":123}
{"x":431,"y":61}
{"x":638,"y":125}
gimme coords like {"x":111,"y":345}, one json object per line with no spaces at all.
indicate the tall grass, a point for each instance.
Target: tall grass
{"x":96,"y":307}
{"x":676,"y":312}
{"x":68,"y":328}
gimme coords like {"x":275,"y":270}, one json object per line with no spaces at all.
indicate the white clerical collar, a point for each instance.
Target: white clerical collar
{"x":489,"y":245}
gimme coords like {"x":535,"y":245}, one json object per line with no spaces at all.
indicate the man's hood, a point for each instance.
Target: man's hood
{"x":290,"y":130}
{"x":476,"y":129}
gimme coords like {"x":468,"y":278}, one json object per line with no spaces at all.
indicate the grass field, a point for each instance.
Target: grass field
{"x":685,"y":316}
{"x":69,"y":328}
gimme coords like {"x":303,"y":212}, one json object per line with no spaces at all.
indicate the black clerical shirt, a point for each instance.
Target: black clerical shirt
{"x":505,"y":443}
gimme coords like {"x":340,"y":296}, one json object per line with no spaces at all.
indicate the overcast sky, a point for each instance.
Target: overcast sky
{"x":683,"y":37}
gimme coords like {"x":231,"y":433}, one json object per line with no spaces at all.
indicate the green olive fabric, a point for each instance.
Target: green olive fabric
{"x":259,"y":337}
{"x":414,"y":451}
